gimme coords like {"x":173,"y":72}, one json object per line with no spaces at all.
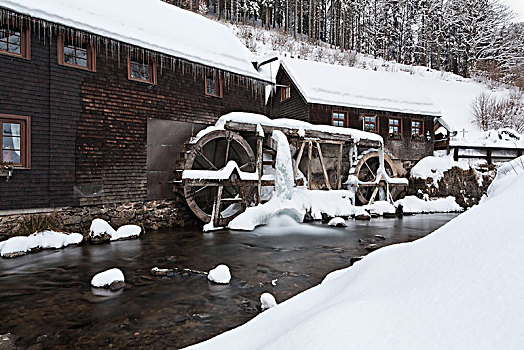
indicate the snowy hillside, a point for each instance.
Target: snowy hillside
{"x":451,"y":93}
{"x":458,"y":288}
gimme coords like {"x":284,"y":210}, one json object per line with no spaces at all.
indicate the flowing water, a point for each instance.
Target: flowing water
{"x":46,"y":299}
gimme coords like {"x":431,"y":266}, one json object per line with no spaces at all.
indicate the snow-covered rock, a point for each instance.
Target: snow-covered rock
{"x":127,"y":232}
{"x":107,"y":278}
{"x":337,"y":222}
{"x":267,"y":301}
{"x":21,"y":245}
{"x":413,"y":204}
{"x":434,"y":168}
{"x":380,"y":208}
{"x":220,"y":274}
{"x":439,"y":292}
{"x":100,"y":231}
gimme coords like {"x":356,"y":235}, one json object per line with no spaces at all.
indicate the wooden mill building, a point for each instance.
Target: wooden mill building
{"x":98,"y":97}
{"x":389,"y":104}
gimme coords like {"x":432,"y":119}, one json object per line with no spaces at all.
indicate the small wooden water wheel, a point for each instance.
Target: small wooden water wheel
{"x":212,"y":152}
{"x":366,"y":170}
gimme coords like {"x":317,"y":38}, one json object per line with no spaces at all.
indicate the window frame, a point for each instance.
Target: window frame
{"x":420,"y":136}
{"x":344,"y":120}
{"x":152,"y":71}
{"x":399,"y":135}
{"x":91,"y":54}
{"x":25,"y":139}
{"x":25,"y":42}
{"x":218,"y":84}
{"x":285,"y":92}
{"x":376,"y":131}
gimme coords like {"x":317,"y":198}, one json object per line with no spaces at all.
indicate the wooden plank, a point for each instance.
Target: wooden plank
{"x":299,"y":158}
{"x":216,"y":207}
{"x":339,"y":167}
{"x":260,"y":164}
{"x":373,"y":195}
{"x":324,"y":171}
{"x":310,"y":157}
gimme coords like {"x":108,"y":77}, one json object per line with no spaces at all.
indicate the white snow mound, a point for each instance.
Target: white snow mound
{"x":220,"y":274}
{"x":104,"y":279}
{"x":434,"y":168}
{"x":100,"y":227}
{"x":127,"y":232}
{"x":20,"y":245}
{"x":267,"y":301}
{"x":338,"y":222}
{"x":457,"y":288}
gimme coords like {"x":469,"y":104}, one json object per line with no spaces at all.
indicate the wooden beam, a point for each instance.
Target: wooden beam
{"x":321,"y":158}
{"x":260,"y":166}
{"x":339,"y":167}
{"x":310,"y":157}
{"x":216,"y":207}
{"x":299,"y":158}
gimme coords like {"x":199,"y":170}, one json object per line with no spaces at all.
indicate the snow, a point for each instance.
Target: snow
{"x":104,"y":279}
{"x":20,"y":245}
{"x":434,"y":168}
{"x":284,"y":181}
{"x":506,"y":175}
{"x":127,"y":231}
{"x":300,"y":127}
{"x":337,"y":222}
{"x":100,"y":227}
{"x":458,"y":288}
{"x":380,"y":207}
{"x":220,"y":275}
{"x":503,"y":138}
{"x":329,"y":84}
{"x":267,"y":301}
{"x":150,"y":24}
{"x":412,"y":204}
{"x":316,"y":202}
{"x":223,"y":174}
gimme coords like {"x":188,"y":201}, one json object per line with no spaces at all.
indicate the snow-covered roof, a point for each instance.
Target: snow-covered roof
{"x":150,"y":24}
{"x":324,"y":83}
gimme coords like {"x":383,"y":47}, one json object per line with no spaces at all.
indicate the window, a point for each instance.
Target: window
{"x":370,"y":123}
{"x":213,"y":84}
{"x":142,"y":70}
{"x":417,"y":130}
{"x":339,"y":119}
{"x":395,"y":128}
{"x":15,"y":41}
{"x":285,"y":92}
{"x":76,"y":53}
{"x":15,"y":140}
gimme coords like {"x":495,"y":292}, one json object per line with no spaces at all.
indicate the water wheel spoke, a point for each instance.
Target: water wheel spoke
{"x":227,"y":151}
{"x":201,"y":154}
{"x":371,"y":171}
{"x":243,"y":166}
{"x":191,"y":194}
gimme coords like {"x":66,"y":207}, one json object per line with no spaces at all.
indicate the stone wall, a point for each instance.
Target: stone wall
{"x":150,"y":215}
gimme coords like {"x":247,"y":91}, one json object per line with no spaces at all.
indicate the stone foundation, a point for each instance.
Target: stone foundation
{"x":464,"y":185}
{"x":150,"y":215}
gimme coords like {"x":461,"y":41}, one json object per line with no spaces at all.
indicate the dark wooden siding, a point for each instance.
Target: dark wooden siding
{"x":404,"y":149}
{"x":294,"y":107}
{"x":89,"y":129}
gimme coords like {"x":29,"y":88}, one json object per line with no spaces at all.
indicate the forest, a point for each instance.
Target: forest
{"x":466,"y":37}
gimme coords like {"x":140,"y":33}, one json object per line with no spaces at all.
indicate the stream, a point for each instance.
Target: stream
{"x":46,"y":299}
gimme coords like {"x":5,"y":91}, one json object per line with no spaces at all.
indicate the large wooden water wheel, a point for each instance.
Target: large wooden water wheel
{"x":212,"y":152}
{"x":366,"y":170}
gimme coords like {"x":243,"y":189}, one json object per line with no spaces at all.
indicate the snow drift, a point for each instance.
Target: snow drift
{"x":458,"y":288}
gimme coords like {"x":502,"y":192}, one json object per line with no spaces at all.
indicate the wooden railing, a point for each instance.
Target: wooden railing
{"x":490,"y":153}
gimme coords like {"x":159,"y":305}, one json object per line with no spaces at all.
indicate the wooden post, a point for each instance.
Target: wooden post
{"x":216,"y":209}
{"x":456,"y":154}
{"x":326,"y":178}
{"x":339,"y":167}
{"x":310,"y":156}
{"x":299,"y":158}
{"x":488,"y":154}
{"x":260,"y":154}
{"x":374,"y":194}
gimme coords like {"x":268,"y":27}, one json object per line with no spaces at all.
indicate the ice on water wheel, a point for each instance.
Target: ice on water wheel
{"x":366,"y":171}
{"x":212,"y":152}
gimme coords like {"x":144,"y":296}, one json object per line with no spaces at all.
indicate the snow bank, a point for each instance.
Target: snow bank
{"x":435,"y":167}
{"x":267,"y":301}
{"x":380,"y":208}
{"x":458,"y":288}
{"x":21,"y":245}
{"x":316,"y":202}
{"x":127,"y":232}
{"x":337,"y":222}
{"x":104,"y":279}
{"x":299,"y":126}
{"x":506,"y":175}
{"x":330,"y":84}
{"x":412,"y":204}
{"x":151,"y":24}
{"x":220,"y":274}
